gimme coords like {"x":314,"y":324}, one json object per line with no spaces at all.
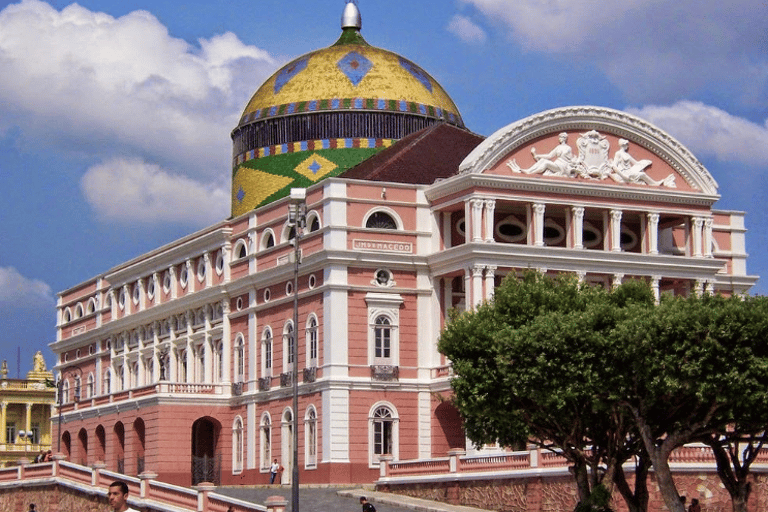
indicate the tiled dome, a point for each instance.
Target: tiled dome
{"x":342,"y":103}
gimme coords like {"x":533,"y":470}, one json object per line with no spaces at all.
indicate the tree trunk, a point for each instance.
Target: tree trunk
{"x":582,"y":480}
{"x":637,"y":501}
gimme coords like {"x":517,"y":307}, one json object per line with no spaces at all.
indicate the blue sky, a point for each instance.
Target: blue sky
{"x":115,"y":115}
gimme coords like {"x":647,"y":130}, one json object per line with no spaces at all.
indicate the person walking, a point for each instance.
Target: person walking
{"x":274,"y":469}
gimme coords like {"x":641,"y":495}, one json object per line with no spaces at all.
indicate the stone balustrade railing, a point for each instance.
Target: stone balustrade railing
{"x":533,"y":461}
{"x":144,"y":492}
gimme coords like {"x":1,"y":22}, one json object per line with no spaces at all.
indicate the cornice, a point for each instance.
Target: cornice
{"x":562,"y":187}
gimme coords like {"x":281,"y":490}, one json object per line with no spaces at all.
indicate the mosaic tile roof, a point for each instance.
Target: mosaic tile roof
{"x":349,"y":70}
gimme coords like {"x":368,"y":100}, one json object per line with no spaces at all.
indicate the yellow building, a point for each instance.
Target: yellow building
{"x":25,"y":412}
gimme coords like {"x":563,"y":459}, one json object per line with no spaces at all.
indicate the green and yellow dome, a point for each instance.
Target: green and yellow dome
{"x":327,"y":111}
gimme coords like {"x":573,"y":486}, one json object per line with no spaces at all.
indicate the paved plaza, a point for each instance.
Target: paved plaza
{"x":339,"y":499}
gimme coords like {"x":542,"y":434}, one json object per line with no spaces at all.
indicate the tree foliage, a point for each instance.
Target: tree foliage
{"x":602,"y":376}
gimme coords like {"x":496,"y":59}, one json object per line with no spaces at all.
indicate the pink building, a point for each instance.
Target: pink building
{"x":180,"y":361}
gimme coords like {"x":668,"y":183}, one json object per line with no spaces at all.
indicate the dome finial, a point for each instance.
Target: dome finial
{"x":351,"y":18}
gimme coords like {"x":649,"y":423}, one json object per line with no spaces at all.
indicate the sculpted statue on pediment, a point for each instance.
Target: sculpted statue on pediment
{"x":593,"y":162}
{"x":628,"y":170}
{"x":558,"y":162}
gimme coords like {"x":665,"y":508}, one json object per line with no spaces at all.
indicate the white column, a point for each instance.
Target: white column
{"x":226,"y":340}
{"x":699,"y":287}
{"x":226,"y":257}
{"x":467,"y":221}
{"x":477,"y":220}
{"x":477,"y":286}
{"x":708,"y":237}
{"x":710,"y":288}
{"x":538,"y":224}
{"x":208,"y":269}
{"x":616,"y":230}
{"x":578,"y":227}
{"x":617,"y":279}
{"x":174,"y":282}
{"x":113,"y":304}
{"x":448,"y":230}
{"x":653,"y":233}
{"x":490,"y":208}
{"x":142,"y":295}
{"x":191,"y":276}
{"x":447,"y":296}
{"x":128,"y":299}
{"x":581,"y":275}
{"x":697,"y":223}
{"x":655,"y":287}
{"x":158,"y":288}
{"x":490,"y":274}
{"x":468,"y":289}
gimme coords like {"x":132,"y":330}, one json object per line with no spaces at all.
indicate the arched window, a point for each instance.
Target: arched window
{"x":218,"y":361}
{"x":382,"y":340}
{"x":237,"y":445}
{"x":312,"y":341}
{"x":265,"y":442}
{"x":239,"y":359}
{"x":313,"y":222}
{"x":241,"y":249}
{"x":89,"y":391}
{"x":266,"y":353}
{"x":107,"y":385}
{"x":288,"y":346}
{"x":383,"y":432}
{"x":77,"y":389}
{"x":380,"y":220}
{"x":65,"y":392}
{"x":267,"y":239}
{"x":310,"y":438}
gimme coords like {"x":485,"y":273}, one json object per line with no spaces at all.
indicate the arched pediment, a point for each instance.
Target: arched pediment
{"x":591,"y":144}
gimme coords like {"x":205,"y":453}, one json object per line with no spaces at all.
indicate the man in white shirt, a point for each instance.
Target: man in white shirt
{"x":118,"y":497}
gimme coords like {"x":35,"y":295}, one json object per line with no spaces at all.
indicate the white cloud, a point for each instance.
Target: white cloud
{"x":466,"y":30}
{"x":129,"y":191}
{"x":711,"y":132}
{"x":654,"y":50}
{"x":91,"y":83}
{"x":19,"y":292}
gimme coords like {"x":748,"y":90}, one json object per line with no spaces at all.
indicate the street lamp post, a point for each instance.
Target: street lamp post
{"x":297,"y":216}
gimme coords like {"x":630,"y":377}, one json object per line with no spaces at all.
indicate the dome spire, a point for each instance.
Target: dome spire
{"x":351,"y":18}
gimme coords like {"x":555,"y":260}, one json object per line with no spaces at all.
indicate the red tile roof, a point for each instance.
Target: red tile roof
{"x":420,"y":158}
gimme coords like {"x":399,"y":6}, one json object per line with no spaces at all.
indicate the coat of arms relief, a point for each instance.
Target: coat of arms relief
{"x":593,"y":162}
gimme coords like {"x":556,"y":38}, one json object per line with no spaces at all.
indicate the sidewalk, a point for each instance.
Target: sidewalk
{"x":340,"y":499}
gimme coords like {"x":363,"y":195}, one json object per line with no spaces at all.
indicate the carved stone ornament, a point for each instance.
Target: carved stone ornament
{"x":593,"y":155}
{"x":495,"y":148}
{"x":593,"y":162}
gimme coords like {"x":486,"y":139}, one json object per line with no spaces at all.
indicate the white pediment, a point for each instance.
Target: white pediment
{"x":591,"y":144}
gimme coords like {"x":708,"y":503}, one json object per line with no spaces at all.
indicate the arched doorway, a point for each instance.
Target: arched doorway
{"x":82,"y":448}
{"x":119,"y":447}
{"x":206,"y":461}
{"x":286,"y":446}
{"x":66,"y":444}
{"x":101,"y":444}
{"x":138,"y":443}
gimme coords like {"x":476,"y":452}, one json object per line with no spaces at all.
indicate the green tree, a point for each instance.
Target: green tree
{"x":531,"y":366}
{"x":703,"y":377}
{"x":601,"y":376}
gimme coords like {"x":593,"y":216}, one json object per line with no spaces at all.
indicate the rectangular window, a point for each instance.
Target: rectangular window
{"x":10,"y":432}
